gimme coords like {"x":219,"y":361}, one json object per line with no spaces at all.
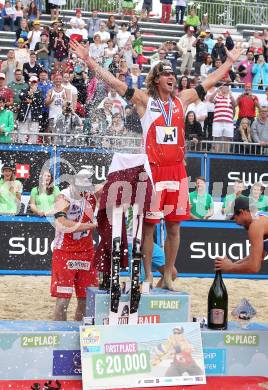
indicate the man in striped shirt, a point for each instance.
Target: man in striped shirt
{"x":223,"y":127}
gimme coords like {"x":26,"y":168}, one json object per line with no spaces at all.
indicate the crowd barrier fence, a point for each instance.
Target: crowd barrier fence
{"x":220,"y":12}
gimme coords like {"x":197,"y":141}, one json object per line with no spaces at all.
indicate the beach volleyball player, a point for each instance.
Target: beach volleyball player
{"x":256,"y":223}
{"x":162,"y":119}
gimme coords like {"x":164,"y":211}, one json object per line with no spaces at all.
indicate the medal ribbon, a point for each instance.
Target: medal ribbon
{"x":167,"y":117}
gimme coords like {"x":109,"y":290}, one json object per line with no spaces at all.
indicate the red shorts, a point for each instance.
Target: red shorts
{"x":72,"y":270}
{"x":171,"y":199}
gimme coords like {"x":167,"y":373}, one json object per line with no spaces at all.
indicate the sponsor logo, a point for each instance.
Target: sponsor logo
{"x":90,"y":339}
{"x":78,"y":265}
{"x":164,"y":304}
{"x":248,"y":178}
{"x":39,"y":340}
{"x":146,"y":319}
{"x":67,"y":363}
{"x":241,"y":339}
{"x":32,"y":245}
{"x":199,"y":378}
{"x":211,"y":250}
{"x":155,"y":107}
{"x":64,"y":290}
{"x":22,"y":171}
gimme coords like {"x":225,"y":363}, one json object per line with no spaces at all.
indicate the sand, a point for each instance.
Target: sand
{"x":28,"y":297}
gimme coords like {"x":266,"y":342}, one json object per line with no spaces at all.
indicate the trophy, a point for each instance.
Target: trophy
{"x":243,"y":313}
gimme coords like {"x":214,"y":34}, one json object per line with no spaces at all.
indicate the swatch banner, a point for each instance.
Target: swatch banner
{"x":71,"y":161}
{"x":26,"y":245}
{"x":202,"y":243}
{"x":222,"y":171}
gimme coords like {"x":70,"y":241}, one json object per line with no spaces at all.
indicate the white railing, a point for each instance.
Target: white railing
{"x":134,"y":144}
{"x":225,"y":12}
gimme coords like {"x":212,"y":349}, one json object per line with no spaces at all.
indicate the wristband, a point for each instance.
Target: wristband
{"x":60,"y":214}
{"x":129,"y":93}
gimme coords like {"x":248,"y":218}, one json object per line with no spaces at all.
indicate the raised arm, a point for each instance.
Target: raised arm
{"x":140,"y":98}
{"x":191,"y":95}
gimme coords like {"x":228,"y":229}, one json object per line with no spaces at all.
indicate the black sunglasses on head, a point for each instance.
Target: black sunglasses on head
{"x":167,"y":74}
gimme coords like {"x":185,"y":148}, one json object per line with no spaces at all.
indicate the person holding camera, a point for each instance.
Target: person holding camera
{"x":69,"y":125}
{"x":30,"y":113}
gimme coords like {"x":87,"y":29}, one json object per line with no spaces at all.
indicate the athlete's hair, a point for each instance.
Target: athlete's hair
{"x":153,"y":76}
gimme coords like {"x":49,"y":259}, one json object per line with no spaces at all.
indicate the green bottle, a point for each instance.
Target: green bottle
{"x":217,"y":304}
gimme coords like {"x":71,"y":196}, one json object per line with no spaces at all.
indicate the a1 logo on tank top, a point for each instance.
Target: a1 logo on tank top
{"x":166,"y":135}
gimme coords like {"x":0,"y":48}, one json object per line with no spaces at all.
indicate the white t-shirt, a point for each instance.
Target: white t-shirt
{"x":200,"y":109}
{"x":122,"y":38}
{"x":36,"y":38}
{"x":71,"y":90}
{"x":105,"y":36}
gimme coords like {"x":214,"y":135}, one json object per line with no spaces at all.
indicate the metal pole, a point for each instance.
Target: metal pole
{"x":120,"y":7}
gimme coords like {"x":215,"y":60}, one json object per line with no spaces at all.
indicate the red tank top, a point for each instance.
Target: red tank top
{"x":80,"y":210}
{"x":164,"y":145}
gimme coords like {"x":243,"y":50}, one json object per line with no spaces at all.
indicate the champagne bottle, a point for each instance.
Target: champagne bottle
{"x":217,"y":304}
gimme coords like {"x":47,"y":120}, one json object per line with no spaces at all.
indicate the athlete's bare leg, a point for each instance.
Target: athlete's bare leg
{"x":148,"y":244}
{"x":172,"y":244}
{"x":160,"y":282}
{"x":60,"y":311}
{"x":80,"y":309}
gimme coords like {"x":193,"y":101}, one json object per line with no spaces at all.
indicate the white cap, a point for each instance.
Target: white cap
{"x":2,"y":76}
{"x":33,"y":78}
{"x":83,"y":179}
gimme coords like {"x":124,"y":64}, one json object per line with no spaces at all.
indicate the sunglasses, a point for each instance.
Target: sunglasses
{"x":167,"y":74}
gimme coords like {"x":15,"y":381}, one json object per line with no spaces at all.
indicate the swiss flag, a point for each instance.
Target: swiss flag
{"x":22,"y":171}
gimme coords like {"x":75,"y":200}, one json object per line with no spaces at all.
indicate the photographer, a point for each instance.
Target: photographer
{"x":201,"y":51}
{"x":68,"y":125}
{"x":30,"y":112}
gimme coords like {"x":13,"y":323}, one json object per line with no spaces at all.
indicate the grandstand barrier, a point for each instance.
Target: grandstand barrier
{"x":135,"y":144}
{"x":27,"y":243}
{"x":220,"y":12}
{"x":31,"y":159}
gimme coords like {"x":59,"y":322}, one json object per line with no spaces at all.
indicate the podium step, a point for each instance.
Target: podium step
{"x":157,"y":307}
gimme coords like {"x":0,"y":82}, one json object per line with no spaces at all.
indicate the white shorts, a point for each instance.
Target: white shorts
{"x":223,"y":129}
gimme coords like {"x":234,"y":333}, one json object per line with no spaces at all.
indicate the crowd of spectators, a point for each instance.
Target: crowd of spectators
{"x":202,"y":203}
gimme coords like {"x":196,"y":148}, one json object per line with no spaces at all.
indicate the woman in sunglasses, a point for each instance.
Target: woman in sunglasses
{"x":162,"y":120}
